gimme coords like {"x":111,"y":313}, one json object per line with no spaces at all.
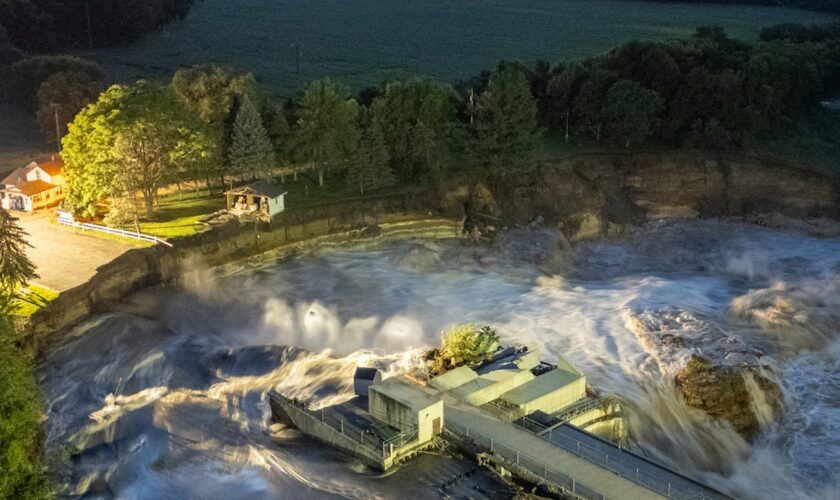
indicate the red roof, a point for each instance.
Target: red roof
{"x":52,"y":167}
{"x":35,"y":187}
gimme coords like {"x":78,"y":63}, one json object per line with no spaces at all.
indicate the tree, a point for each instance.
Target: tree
{"x":325,"y":131}
{"x":15,"y":267}
{"x":369,"y":168}
{"x":468,"y":345}
{"x":505,"y":129}
{"x":65,"y":93}
{"x":20,"y":419}
{"x":250,"y":150}
{"x":212,"y":93}
{"x":27,"y":75}
{"x":408,"y":108}
{"x":560,"y":96}
{"x":133,"y":139}
{"x":631,"y":112}
{"x":590,"y":98}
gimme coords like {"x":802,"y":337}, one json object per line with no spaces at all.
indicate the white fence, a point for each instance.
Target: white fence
{"x":110,"y":230}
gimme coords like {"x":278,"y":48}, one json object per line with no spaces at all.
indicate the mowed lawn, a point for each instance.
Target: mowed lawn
{"x":364,"y":42}
{"x":181,"y":217}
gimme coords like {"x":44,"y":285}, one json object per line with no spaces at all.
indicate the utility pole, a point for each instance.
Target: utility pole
{"x":472,"y":106}
{"x":90,"y":31}
{"x":57,"y":127}
{"x":298,"y":48}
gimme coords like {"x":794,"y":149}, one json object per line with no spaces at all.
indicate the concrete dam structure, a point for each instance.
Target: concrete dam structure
{"x":535,"y":420}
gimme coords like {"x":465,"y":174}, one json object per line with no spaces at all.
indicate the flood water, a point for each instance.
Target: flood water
{"x":166,"y":398}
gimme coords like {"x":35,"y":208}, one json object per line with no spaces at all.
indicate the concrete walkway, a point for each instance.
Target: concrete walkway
{"x":628,"y":464}
{"x":535,"y":453}
{"x":64,"y":258}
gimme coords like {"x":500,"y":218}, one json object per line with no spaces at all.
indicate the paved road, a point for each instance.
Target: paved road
{"x":65,"y":259}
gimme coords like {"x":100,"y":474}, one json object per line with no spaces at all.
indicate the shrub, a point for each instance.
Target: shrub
{"x":467,"y":345}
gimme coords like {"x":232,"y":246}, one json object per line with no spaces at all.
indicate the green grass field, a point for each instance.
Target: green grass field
{"x":180,"y":217}
{"x":364,"y":42}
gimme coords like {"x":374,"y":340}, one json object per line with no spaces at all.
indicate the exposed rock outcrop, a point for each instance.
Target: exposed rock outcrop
{"x":604,"y":194}
{"x":741,"y":395}
{"x":713,"y":371}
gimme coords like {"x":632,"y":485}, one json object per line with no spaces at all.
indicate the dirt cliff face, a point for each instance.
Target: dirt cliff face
{"x":596,"y":195}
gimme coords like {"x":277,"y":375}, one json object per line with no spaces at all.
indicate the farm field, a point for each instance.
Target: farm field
{"x":364,"y":42}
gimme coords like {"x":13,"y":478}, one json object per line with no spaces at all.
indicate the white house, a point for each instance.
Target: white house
{"x":39,"y":184}
{"x":260,"y":198}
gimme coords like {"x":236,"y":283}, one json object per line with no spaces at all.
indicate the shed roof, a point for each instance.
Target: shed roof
{"x":259,"y":188}
{"x":407,"y":393}
{"x":454,"y":378}
{"x":540,"y":386}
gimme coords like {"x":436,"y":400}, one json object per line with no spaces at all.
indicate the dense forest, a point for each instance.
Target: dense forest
{"x":706,"y":91}
{"x":832,"y":6}
{"x":37,"y":26}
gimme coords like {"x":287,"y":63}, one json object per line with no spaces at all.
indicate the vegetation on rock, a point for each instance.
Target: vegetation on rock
{"x":464,"y":345}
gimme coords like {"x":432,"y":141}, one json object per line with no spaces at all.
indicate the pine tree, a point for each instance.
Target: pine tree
{"x":370,"y":166}
{"x":250,"y":150}
{"x":505,"y":129}
{"x":15,"y":267}
{"x":326,"y":126}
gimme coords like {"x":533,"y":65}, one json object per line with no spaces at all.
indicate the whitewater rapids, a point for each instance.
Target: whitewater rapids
{"x":166,"y":398}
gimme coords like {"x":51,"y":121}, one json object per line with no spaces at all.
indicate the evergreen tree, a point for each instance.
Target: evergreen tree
{"x":326,"y":129}
{"x":15,"y":267}
{"x":505,"y":129}
{"x":370,"y":168}
{"x":250,"y":150}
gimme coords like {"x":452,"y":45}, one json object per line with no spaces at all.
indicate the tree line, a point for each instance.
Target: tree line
{"x":55,"y":87}
{"x":211,"y":126}
{"x":831,"y":6}
{"x":704,"y":91}
{"x":40,"y":26}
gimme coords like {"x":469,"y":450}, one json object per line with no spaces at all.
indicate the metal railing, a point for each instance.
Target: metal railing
{"x":615,"y":462}
{"x":668,"y":483}
{"x":366,"y":438}
{"x":537,"y":467}
{"x":110,"y":230}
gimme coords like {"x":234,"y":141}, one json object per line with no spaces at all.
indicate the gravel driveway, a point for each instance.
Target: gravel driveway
{"x":64,"y":258}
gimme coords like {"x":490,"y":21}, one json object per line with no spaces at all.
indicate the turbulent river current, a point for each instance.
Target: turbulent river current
{"x":166,"y":397}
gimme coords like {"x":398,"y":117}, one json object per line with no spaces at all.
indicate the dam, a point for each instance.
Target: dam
{"x":514,"y":410}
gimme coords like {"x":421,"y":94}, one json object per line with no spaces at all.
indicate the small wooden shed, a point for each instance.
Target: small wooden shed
{"x":260,"y":198}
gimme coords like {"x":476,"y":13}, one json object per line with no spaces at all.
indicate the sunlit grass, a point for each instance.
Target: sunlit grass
{"x":32,"y":298}
{"x":175,"y":216}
